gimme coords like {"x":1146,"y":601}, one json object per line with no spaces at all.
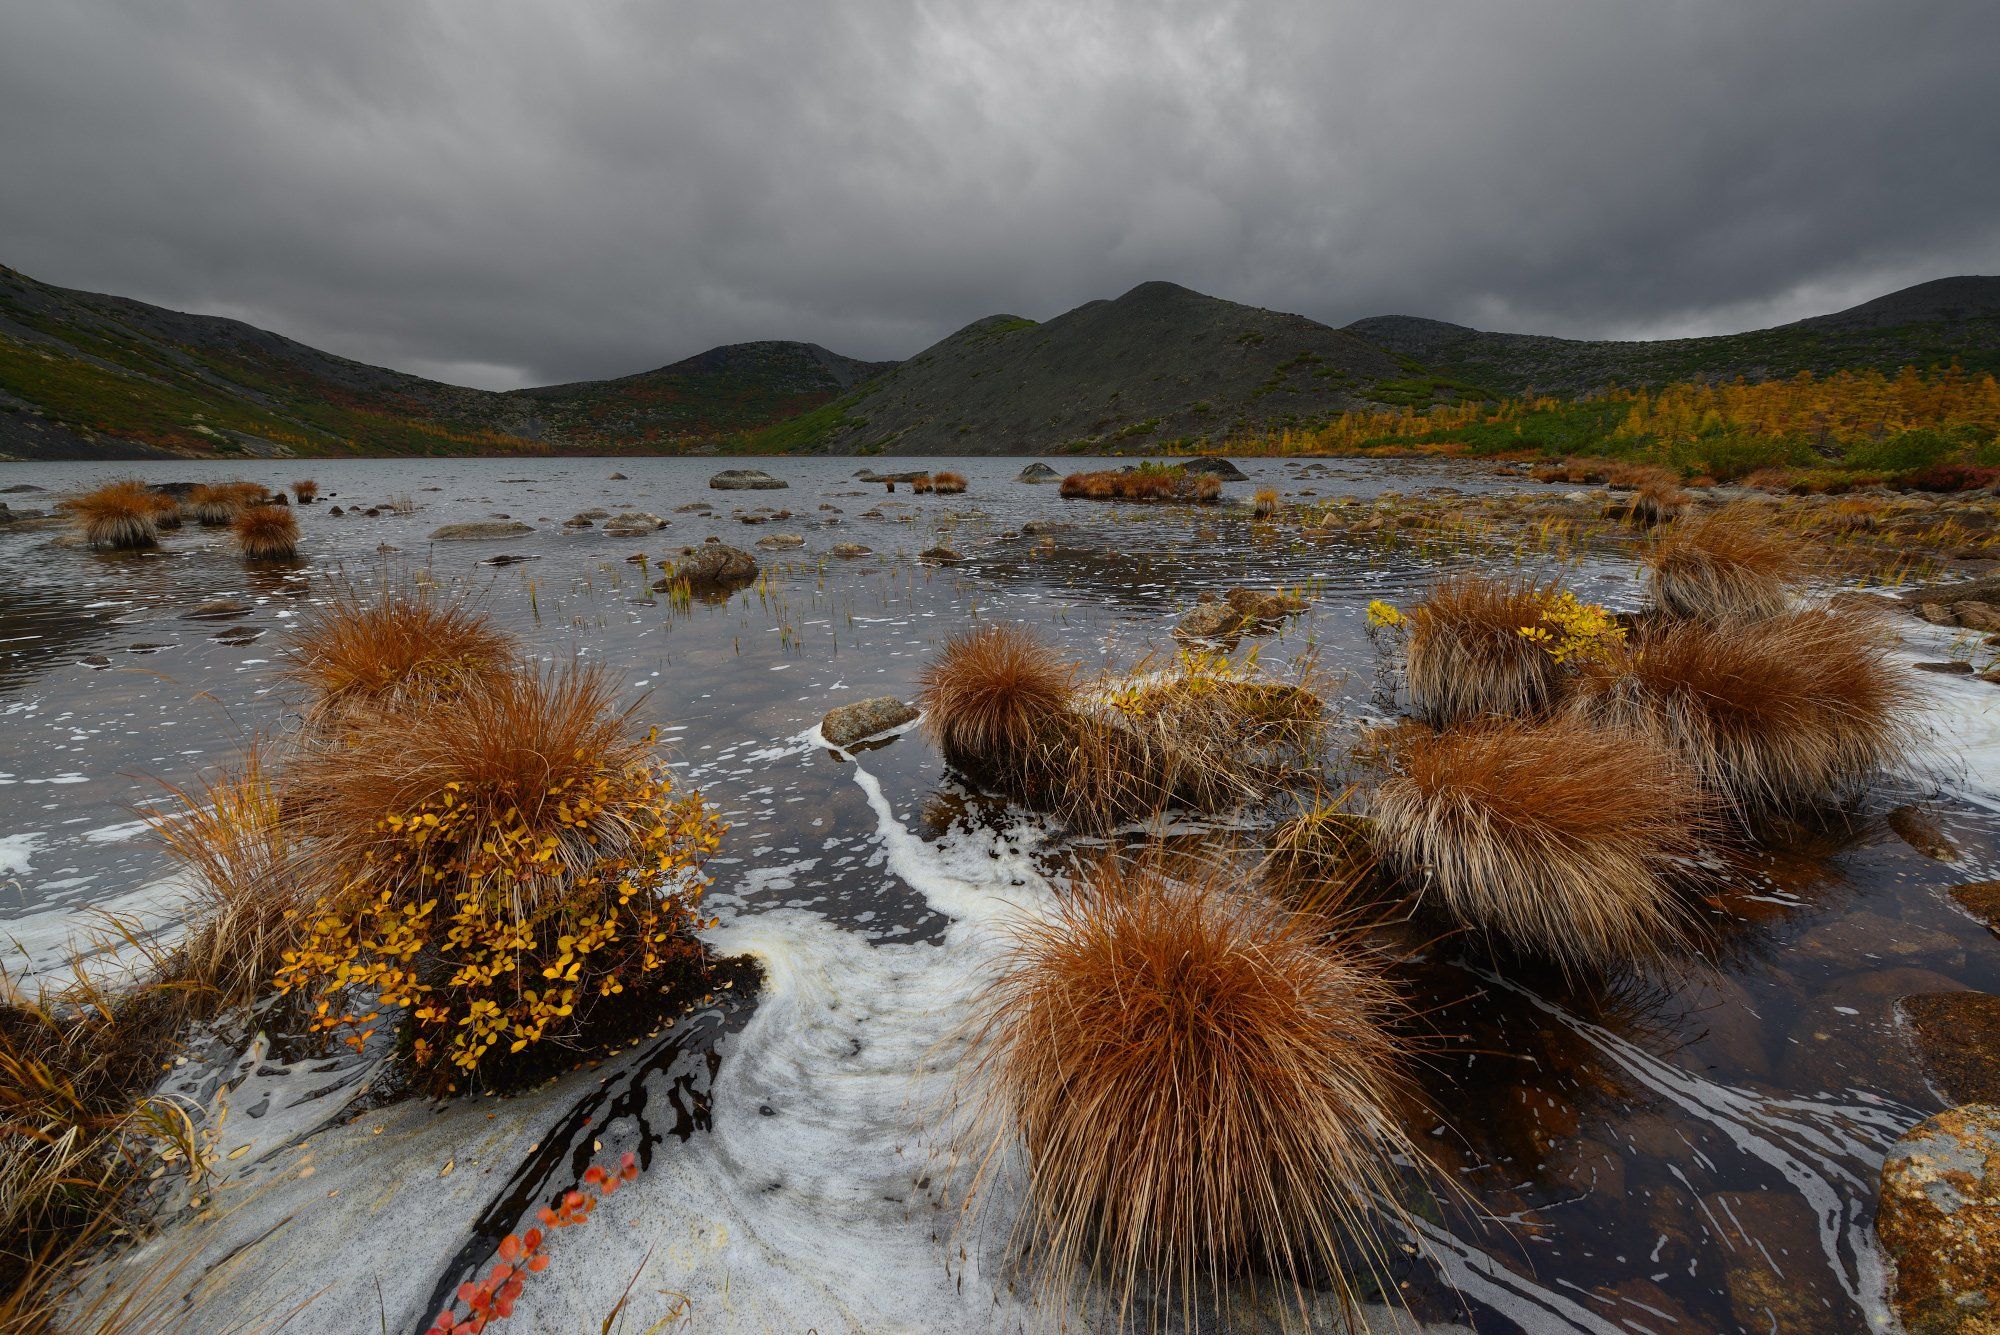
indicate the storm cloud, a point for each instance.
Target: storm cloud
{"x":504,"y":194}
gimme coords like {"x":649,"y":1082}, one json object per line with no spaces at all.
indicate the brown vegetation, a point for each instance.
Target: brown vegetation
{"x":117,"y":516}
{"x":306,"y":490}
{"x":948,"y":484}
{"x":1556,"y":837}
{"x":1727,"y":563}
{"x":991,"y":698}
{"x":266,"y":533}
{"x":1792,"y":710}
{"x":1203,"y":1088}
{"x":375,"y":650}
{"x":1144,"y":483}
{"x":1467,"y":656}
{"x":1264,"y":503}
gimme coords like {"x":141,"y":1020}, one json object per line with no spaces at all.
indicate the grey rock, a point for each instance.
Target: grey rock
{"x":746,"y":479}
{"x":778,"y":542}
{"x":848,"y":724}
{"x":1037,"y":472}
{"x":1216,"y":466}
{"x":712,"y":568}
{"x":481,"y":530}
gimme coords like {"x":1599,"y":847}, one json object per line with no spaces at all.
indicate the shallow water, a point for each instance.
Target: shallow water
{"x":1678,"y":1149}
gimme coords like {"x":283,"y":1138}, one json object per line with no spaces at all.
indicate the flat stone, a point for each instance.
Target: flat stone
{"x":1977,"y":616}
{"x":1938,"y":614}
{"x":778,"y":542}
{"x":1914,"y":826}
{"x":18,"y":488}
{"x":1982,"y":900}
{"x":1958,"y":1036}
{"x":508,"y":559}
{"x":848,"y":724}
{"x":481,"y":530}
{"x":746,"y":479}
{"x":1939,"y":1220}
{"x":851,"y":549}
{"x":633,"y":524}
{"x":219,"y":610}
{"x":1950,"y":668}
{"x":693,"y":506}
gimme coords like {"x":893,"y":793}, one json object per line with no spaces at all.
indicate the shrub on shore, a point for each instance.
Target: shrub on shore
{"x":1556,"y":837}
{"x":1728,"y":563}
{"x":1147,"y":482}
{"x":118,"y":516}
{"x":506,"y":862}
{"x":266,"y":533}
{"x":374,"y":651}
{"x":948,"y":484}
{"x":1203,"y":1089}
{"x":1794,"y":710}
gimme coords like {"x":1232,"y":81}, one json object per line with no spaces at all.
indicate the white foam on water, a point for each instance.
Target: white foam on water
{"x":16,"y":850}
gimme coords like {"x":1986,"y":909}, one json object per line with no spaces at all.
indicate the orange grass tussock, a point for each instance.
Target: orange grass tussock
{"x":118,"y":516}
{"x":1794,"y":710}
{"x":358,"y":649}
{"x":991,"y":695}
{"x":1727,"y":563}
{"x":1467,"y":657}
{"x":1203,"y":1089}
{"x":1558,"y":838}
{"x":266,"y":533}
{"x":305,"y":490}
{"x":948,"y":484}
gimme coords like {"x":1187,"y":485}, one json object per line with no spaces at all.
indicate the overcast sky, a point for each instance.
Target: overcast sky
{"x":504,"y":194}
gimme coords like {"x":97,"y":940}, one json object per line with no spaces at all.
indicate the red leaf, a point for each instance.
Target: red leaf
{"x":572,"y":1199}
{"x":547,"y":1216}
{"x":510,"y":1248}
{"x":533,"y":1241}
{"x":512,"y":1291}
{"x":629,"y":1162}
{"x":501,"y":1274}
{"x":503,"y":1306}
{"x":465,"y":1292}
{"x":593,"y":1175}
{"x":539,"y":1264}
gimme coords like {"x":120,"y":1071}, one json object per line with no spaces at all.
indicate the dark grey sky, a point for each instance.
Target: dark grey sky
{"x":501,"y":194}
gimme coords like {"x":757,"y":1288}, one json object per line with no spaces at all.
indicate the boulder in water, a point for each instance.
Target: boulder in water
{"x":1939,"y":1219}
{"x":479,"y":530}
{"x":746,"y":479}
{"x":1037,"y":472}
{"x":848,"y":724}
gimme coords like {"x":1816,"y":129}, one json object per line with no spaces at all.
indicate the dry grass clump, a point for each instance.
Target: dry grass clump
{"x":1202,"y":1090}
{"x":1790,"y":711}
{"x":1556,"y":837}
{"x":166,"y":509}
{"x":1656,"y":501}
{"x":266,"y":533}
{"x":992,"y":697}
{"x":118,"y":516}
{"x":1147,"y":482}
{"x":215,"y":505}
{"x":376,"y":650}
{"x":1323,"y":856}
{"x":948,"y":484}
{"x":922,"y":484}
{"x":1264,"y":503}
{"x":1467,"y":656}
{"x":1729,"y":563}
{"x":305,"y":490}
{"x":506,"y":865}
{"x":249,"y":872}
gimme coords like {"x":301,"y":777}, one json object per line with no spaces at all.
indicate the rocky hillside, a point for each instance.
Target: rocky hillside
{"x":84,"y":375}
{"x":1160,"y":363}
{"x":1931,"y":324}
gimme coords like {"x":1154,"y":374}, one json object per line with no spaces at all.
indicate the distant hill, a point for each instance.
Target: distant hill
{"x":1159,"y":363}
{"x":84,"y":375}
{"x":1935,"y":323}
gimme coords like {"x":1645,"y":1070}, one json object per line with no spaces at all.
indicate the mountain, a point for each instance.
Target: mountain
{"x":84,"y":375}
{"x":1935,"y":323}
{"x":1157,"y":364}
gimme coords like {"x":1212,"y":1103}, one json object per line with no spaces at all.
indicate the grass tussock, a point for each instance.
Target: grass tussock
{"x":266,"y":533}
{"x":1795,"y":710}
{"x":216,"y":504}
{"x":1728,"y":563}
{"x":1558,"y":838}
{"x":370,"y":651}
{"x":1467,"y":657}
{"x":118,"y":516}
{"x":1264,"y":502}
{"x":1323,"y":857}
{"x":948,"y":484}
{"x":1202,"y":1089}
{"x":922,"y":484}
{"x":305,"y":491}
{"x":1172,"y":484}
{"x":992,"y":696}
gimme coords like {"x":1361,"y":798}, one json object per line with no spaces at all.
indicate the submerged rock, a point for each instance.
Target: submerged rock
{"x":1939,"y":1220}
{"x":219,"y":610}
{"x":851,"y":549}
{"x":481,"y":529}
{"x":1256,"y":605}
{"x":940,"y":555}
{"x":1958,"y":1036}
{"x":778,"y":542}
{"x":746,"y":479}
{"x":1982,"y":900}
{"x":1214,"y":620}
{"x":633,"y":524}
{"x":1037,"y":472}
{"x":1915,"y":827}
{"x":848,"y":724}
